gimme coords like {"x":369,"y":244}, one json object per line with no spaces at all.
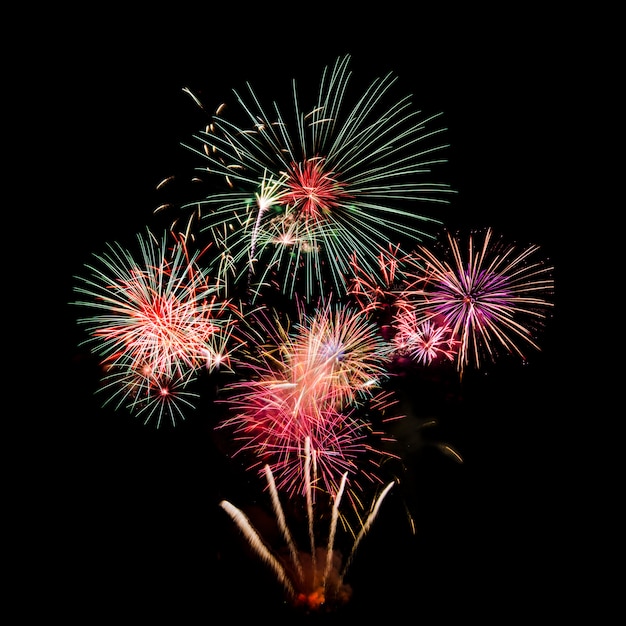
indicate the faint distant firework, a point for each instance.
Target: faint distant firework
{"x":493,"y":295}
{"x":317,"y":381}
{"x":156,"y":320}
{"x":306,"y":192}
{"x":313,"y":581}
{"x":423,"y":341}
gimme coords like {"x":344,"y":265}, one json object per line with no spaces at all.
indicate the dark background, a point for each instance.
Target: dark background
{"x":124,"y":520}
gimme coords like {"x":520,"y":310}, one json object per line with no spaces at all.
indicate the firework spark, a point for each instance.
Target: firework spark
{"x":158,"y":319}
{"x":303,"y":197}
{"x":494,"y":296}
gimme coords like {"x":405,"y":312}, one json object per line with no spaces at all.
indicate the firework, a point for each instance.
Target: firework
{"x":423,"y":341}
{"x":495,"y":296}
{"x":320,"y":216}
{"x":157,"y":320}
{"x":343,"y":351}
{"x":312,"y":581}
{"x":315,"y":383}
{"x":306,"y":193}
{"x":150,"y":397}
{"x":379,"y":295}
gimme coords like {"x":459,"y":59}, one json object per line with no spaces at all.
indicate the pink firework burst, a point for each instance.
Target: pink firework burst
{"x":269,"y":423}
{"x":424,"y":341}
{"x":314,"y":383}
{"x":493,"y":296}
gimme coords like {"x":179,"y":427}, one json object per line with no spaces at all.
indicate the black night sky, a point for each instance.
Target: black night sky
{"x":125,"y":517}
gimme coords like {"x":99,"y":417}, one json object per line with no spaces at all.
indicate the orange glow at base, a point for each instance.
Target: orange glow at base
{"x":313,"y":600}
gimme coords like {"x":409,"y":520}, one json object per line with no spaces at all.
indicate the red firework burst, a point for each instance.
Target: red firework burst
{"x":158,"y":319}
{"x":314,"y":192}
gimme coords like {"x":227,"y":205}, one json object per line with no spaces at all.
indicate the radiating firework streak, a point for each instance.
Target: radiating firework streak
{"x":282,"y":522}
{"x":271,"y":193}
{"x":158,"y":319}
{"x":313,"y":384}
{"x":256,"y":542}
{"x":309,"y":496}
{"x":493,"y":296}
{"x":366,"y":527}
{"x":305,"y":196}
{"x":333,"y":528}
{"x":315,"y":588}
